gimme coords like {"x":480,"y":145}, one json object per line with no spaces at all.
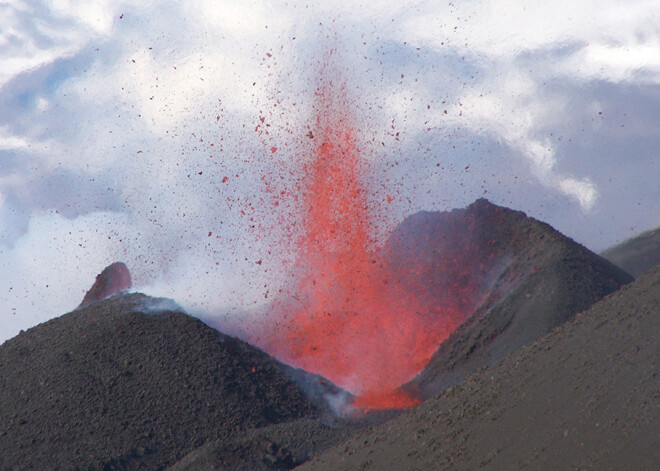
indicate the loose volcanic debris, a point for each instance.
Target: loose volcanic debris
{"x":636,"y":255}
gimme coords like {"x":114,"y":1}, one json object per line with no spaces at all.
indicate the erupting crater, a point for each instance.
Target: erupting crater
{"x":366,"y":317}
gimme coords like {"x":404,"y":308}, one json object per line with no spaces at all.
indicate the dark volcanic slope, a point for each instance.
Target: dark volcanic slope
{"x":520,"y":278}
{"x":584,"y":396}
{"x":636,"y":255}
{"x":111,"y":387}
{"x":279,"y":446}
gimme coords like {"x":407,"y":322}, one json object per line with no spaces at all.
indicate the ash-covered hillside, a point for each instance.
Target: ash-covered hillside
{"x":637,"y":254}
{"x":520,"y":278}
{"x":131,"y":383}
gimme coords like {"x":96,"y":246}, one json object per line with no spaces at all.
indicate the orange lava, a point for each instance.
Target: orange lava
{"x":351,"y":317}
{"x":395,"y":399}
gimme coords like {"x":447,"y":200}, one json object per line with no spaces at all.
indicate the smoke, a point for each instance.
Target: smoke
{"x":144,"y":131}
{"x":341,"y":404}
{"x":151,"y":305}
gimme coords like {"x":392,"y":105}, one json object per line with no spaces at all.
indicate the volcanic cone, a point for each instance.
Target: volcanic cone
{"x":124,"y":384}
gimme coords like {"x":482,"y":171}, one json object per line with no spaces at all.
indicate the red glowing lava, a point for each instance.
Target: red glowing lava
{"x":352,"y":316}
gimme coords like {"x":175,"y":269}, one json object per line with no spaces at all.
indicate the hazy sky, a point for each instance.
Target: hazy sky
{"x":119,"y":121}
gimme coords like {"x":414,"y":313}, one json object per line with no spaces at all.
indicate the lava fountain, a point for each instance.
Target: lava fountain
{"x":351,"y":315}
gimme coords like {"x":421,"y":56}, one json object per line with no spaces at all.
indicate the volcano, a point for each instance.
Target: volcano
{"x":448,"y":293}
{"x":132,"y":382}
{"x":368,"y":308}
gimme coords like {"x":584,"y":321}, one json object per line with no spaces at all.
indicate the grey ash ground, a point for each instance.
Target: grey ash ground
{"x":131,"y":382}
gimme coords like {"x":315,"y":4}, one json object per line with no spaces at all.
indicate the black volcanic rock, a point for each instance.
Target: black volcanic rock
{"x":114,"y":279}
{"x":517,"y":277}
{"x":130,"y":383}
{"x":584,"y":396}
{"x":638,"y":254}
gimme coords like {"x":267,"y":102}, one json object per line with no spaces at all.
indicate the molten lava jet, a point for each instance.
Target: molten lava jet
{"x":358,"y":314}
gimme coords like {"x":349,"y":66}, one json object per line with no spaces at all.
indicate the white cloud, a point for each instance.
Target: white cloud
{"x":636,"y":61}
{"x":33,"y":34}
{"x":11,"y":142}
{"x":128,"y":115}
{"x":97,"y":16}
{"x":584,"y":190}
{"x":524,"y":45}
{"x":516,"y":111}
{"x":239,"y":18}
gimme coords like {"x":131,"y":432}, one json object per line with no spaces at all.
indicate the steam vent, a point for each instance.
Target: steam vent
{"x":543,"y":356}
{"x":114,"y":279}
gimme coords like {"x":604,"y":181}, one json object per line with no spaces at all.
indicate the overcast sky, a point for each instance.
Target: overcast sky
{"x":119,"y":121}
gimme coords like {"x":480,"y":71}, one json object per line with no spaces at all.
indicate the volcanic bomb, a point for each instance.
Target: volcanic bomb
{"x":114,"y":279}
